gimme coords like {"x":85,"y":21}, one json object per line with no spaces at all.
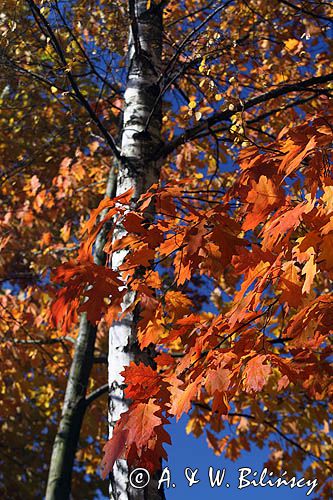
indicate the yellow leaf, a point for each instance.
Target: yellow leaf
{"x":65,"y":232}
{"x":291,"y":44}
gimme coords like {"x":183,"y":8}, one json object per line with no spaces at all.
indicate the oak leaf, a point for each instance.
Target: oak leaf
{"x":256,"y":373}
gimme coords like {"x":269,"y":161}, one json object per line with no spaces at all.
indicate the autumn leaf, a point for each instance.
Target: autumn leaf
{"x":290,"y":284}
{"x":256,"y":373}
{"x":113,"y":450}
{"x":84,"y":280}
{"x":309,"y":270}
{"x":135,"y":432}
{"x":142,"y":382}
{"x":263,"y":196}
{"x":183,"y":197}
{"x":65,"y":232}
{"x":217,"y":380}
{"x":181,"y":399}
{"x":296,"y":156}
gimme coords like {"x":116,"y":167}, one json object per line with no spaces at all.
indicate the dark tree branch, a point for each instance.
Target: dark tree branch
{"x":193,"y":133}
{"x":101,"y":360}
{"x":263,"y":116}
{"x":305,"y":11}
{"x":190,"y":35}
{"x":275,"y":428}
{"x":46,"y":27}
{"x":32,"y":342}
{"x":67,"y":437}
{"x":173,"y":79}
{"x":12,"y":65}
{"x":96,"y":394}
{"x":117,"y":91}
{"x":191,"y":14}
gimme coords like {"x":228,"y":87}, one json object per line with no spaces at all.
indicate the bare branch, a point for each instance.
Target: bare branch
{"x":117,"y":91}
{"x":38,"y":341}
{"x":96,"y":394}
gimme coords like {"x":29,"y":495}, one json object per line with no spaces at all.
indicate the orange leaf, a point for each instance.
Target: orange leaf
{"x":309,"y":270}
{"x":256,"y":373}
{"x":181,"y":400}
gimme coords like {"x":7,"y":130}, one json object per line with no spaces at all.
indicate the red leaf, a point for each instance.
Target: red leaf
{"x":142,"y":381}
{"x":113,"y":450}
{"x":137,"y":437}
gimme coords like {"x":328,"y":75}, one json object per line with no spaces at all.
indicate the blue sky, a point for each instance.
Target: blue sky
{"x":188,"y":451}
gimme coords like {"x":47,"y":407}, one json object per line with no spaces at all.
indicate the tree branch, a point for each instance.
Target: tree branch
{"x":190,"y":14}
{"x":193,"y":132}
{"x":117,"y":91}
{"x":305,"y":11}
{"x":43,"y":22}
{"x":275,"y":428}
{"x":38,"y":341}
{"x":96,"y":394}
{"x":101,"y":360}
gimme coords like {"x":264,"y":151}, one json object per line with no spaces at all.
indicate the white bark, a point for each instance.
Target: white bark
{"x":138,"y":170}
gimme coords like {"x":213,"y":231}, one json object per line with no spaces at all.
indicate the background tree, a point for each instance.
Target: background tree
{"x":76,"y":96}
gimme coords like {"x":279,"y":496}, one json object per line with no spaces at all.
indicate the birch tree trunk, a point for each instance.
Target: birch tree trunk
{"x":141,"y":137}
{"x":68,"y":433}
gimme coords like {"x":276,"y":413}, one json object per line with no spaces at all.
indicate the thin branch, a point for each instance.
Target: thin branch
{"x":275,"y":428}
{"x":263,"y":116}
{"x":28,"y":333}
{"x":193,"y":132}
{"x":173,"y":60}
{"x":85,"y":55}
{"x":12,"y":65}
{"x":297,"y":102}
{"x":38,"y":341}
{"x":190,"y":14}
{"x":190,"y":35}
{"x":305,"y":11}
{"x":96,"y":394}
{"x":228,"y":336}
{"x":43,"y":22}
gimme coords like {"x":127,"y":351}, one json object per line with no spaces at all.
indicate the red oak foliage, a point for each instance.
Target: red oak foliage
{"x":266,"y":244}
